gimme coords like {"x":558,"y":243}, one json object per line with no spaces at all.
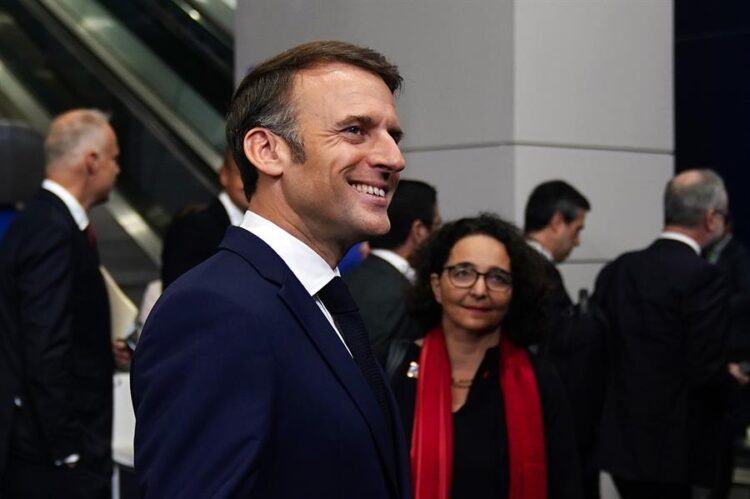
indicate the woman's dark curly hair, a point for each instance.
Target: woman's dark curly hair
{"x":526,"y":319}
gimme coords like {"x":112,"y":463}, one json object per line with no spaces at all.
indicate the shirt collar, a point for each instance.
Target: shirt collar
{"x":399,"y":262}
{"x":235,"y":214}
{"x":74,"y":207}
{"x":541,"y":249}
{"x":676,"y":236}
{"x":307,"y":266}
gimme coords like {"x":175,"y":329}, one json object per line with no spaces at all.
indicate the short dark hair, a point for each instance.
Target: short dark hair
{"x":264,"y":97}
{"x":527,"y":316}
{"x":413,"y":200}
{"x":685,"y":204}
{"x":550,"y":197}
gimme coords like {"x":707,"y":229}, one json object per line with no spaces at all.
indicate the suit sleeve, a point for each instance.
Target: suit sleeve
{"x":46,"y":290}
{"x":707,"y":323}
{"x":202,"y":383}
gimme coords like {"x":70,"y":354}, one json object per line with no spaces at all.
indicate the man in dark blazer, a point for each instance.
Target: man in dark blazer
{"x":253,"y":376}
{"x":554,"y":217}
{"x":55,"y":326}
{"x":380,"y":282}
{"x":668,"y":337}
{"x":195,"y":234}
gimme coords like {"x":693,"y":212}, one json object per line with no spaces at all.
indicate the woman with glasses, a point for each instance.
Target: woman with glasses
{"x":484,"y":417}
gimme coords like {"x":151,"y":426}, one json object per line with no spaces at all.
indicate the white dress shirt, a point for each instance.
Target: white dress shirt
{"x":306,"y":265}
{"x":74,"y":207}
{"x":541,"y":249}
{"x":676,"y":236}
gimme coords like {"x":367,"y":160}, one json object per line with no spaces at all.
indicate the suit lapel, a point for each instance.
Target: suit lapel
{"x":308,"y":314}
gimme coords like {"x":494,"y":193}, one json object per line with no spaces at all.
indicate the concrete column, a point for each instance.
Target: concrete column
{"x":501,"y":95}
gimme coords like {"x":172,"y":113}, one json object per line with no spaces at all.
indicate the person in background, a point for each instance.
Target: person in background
{"x":485,"y":418}
{"x":254,"y":376}
{"x":554,"y":218}
{"x":380,"y":282}
{"x":195,"y":234}
{"x":355,"y":256}
{"x":55,"y":324}
{"x":733,"y":258}
{"x":668,"y":338}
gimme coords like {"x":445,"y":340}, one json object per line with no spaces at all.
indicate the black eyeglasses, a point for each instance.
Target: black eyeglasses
{"x":462,"y":276}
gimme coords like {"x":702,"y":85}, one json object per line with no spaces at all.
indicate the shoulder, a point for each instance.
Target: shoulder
{"x":372,"y":274}
{"x":41,"y":226}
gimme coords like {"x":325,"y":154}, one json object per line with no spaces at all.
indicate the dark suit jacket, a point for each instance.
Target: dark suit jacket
{"x":379,"y":290}
{"x":191,"y":238}
{"x":734,"y":260}
{"x":242,"y":388}
{"x":54,"y":341}
{"x":575,"y":346}
{"x":667,"y":310}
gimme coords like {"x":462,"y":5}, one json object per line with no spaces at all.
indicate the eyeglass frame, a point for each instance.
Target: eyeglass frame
{"x":477,"y":274}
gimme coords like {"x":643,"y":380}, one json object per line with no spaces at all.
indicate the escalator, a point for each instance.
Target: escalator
{"x":165,"y":78}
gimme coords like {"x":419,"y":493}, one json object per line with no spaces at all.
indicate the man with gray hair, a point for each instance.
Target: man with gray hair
{"x":667,"y":346}
{"x":56,"y":389}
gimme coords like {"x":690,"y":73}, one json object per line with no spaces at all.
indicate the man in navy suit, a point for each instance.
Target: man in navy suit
{"x":252,"y":377}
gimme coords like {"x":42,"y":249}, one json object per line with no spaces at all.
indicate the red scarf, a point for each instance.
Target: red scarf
{"x":432,"y":438}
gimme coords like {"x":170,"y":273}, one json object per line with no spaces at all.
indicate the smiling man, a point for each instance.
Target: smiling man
{"x":253,"y":376}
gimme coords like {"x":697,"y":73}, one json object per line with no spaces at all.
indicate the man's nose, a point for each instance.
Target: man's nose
{"x":386,"y":153}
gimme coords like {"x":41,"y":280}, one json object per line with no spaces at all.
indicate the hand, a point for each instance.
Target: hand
{"x":122,"y":353}
{"x":736,"y":372}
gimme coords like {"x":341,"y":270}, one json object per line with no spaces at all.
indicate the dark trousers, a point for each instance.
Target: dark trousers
{"x":631,"y":489}
{"x":26,"y":480}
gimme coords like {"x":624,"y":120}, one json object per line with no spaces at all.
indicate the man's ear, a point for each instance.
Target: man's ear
{"x":418,"y":231}
{"x":266,"y":151}
{"x":91,"y":162}
{"x":557,"y":222}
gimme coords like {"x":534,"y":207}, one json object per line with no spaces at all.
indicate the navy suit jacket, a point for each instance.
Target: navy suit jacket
{"x":242,"y":388}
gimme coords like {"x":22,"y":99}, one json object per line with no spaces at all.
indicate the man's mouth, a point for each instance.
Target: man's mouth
{"x":369,"y":189}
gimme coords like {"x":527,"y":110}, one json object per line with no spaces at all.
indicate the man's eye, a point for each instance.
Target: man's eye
{"x":355,"y":130}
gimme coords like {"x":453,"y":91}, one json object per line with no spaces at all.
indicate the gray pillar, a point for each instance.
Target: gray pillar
{"x":501,"y":95}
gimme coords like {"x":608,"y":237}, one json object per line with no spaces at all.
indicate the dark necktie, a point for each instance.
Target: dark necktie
{"x":339,"y":302}
{"x":90,"y":235}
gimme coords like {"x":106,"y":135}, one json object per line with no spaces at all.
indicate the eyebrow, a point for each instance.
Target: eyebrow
{"x":474,"y":267}
{"x":368,"y":122}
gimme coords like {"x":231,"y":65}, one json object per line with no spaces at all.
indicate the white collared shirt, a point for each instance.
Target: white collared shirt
{"x":235,"y":214}
{"x":74,"y":207}
{"x":399,"y":262}
{"x":306,"y":265}
{"x":541,"y":249}
{"x":676,"y":236}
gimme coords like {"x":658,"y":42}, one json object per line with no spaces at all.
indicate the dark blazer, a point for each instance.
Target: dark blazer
{"x":734,"y":260}
{"x":191,"y":238}
{"x":575,"y":346}
{"x":242,"y":388}
{"x":54,"y":341}
{"x":379,"y":290}
{"x":667,"y":311}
